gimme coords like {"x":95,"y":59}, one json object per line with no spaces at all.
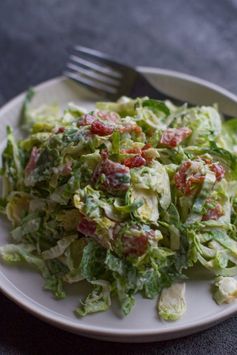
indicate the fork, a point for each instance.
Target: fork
{"x":109,"y":78}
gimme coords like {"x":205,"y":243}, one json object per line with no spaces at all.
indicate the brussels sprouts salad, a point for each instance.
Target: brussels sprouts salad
{"x":126,"y":197}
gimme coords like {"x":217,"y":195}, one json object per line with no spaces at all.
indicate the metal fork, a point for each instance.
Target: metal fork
{"x":110,"y":78}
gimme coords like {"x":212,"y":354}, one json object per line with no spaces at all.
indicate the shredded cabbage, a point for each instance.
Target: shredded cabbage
{"x":126,"y":197}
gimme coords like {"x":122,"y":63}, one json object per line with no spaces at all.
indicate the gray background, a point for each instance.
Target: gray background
{"x":195,"y":37}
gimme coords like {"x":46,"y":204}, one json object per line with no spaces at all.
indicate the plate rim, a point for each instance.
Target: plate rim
{"x":127,"y":335}
{"x":189,"y":78}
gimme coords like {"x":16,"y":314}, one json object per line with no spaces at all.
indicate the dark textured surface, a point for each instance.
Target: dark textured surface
{"x":196,"y":37}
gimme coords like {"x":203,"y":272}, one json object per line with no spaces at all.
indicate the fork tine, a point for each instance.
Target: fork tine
{"x":92,"y":74}
{"x":92,"y":84}
{"x":100,"y":69}
{"x":100,"y":57}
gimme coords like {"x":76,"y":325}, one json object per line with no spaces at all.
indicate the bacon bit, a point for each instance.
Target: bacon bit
{"x":185,"y":184}
{"x":218,"y":170}
{"x":213,"y":213}
{"x":113,"y":172}
{"x":101,"y":129}
{"x":174,"y":136}
{"x":86,"y":227}
{"x":34,"y":156}
{"x":134,"y":162}
{"x":67,"y":169}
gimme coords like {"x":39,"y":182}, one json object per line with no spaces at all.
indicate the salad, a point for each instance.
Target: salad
{"x":126,"y":197}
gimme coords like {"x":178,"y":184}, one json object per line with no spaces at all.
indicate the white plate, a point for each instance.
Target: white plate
{"x":25,"y":287}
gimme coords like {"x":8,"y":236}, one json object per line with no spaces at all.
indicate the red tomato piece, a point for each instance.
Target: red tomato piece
{"x":174,"y":136}
{"x":134,"y":162}
{"x":34,"y":156}
{"x":99,"y":128}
